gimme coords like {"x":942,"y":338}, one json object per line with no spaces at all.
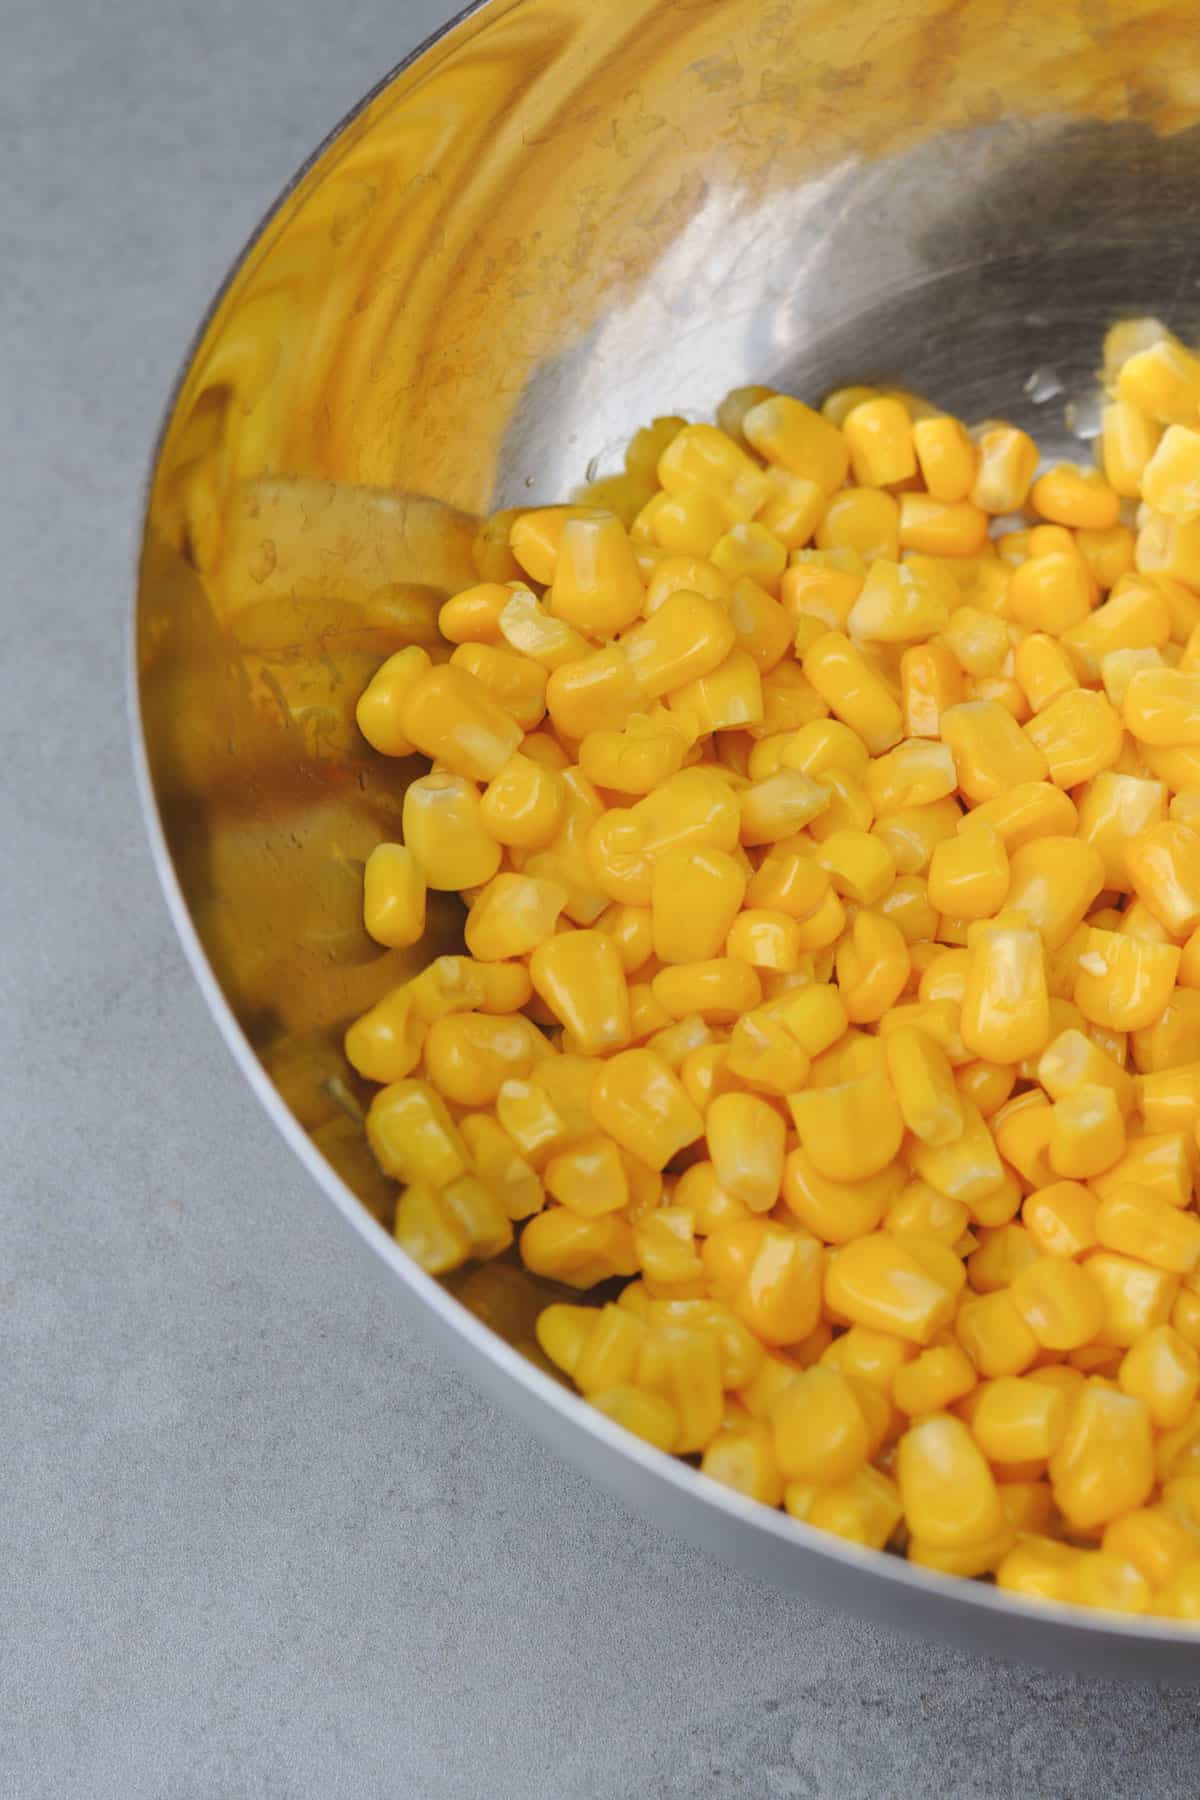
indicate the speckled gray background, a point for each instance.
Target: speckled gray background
{"x":253,"y":1542}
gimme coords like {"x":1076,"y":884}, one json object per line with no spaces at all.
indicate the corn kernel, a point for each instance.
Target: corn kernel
{"x":564,"y":1246}
{"x":1160,"y":1163}
{"x":881,"y":1283}
{"x":1104,"y":1465}
{"x":1008,"y":460}
{"x":787,"y":432}
{"x":1018,"y":1420}
{"x":818,"y":1429}
{"x":994,"y":1334}
{"x":1115,"y":810}
{"x":513,"y":915}
{"x":1079,"y":734}
{"x":1136,"y":1297}
{"x":720,"y":989}
{"x":849,"y":1130}
{"x":948,"y":1492}
{"x":1123,"y":983}
{"x":853,"y":691}
{"x":1128,"y":439}
{"x":696,"y":895}
{"x":1080,"y":498}
{"x":837,"y":1211}
{"x":934,"y":1380}
{"x":948,"y":459}
{"x":780,"y":805}
{"x":934,"y":527}
{"x":771,"y":1276}
{"x":381,"y":705}
{"x":413,"y":1136}
{"x":640,"y":1103}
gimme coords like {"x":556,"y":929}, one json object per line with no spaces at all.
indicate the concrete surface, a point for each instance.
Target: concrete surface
{"x":254,"y":1543}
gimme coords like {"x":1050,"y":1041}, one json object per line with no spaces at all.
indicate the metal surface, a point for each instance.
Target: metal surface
{"x":555,"y":222}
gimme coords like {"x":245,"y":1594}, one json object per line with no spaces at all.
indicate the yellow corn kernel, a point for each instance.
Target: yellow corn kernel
{"x":1059,"y":1301}
{"x":1053,"y":882}
{"x":915,"y":774}
{"x":1123,"y":983}
{"x":532,"y":632}
{"x":683,"y":1365}
{"x":1051,"y":593}
{"x":1061,"y":1219}
{"x":445,"y":831}
{"x":665,"y":1246}
{"x":779,"y":805}
{"x":1008,"y":460}
{"x":413,"y":1136}
{"x":837,"y":1211}
{"x":986,"y":1085}
{"x":469,"y":1055}
{"x":1101,"y":1579}
{"x":764,"y":1055}
{"x":1161,"y":1163}
{"x":921,"y":1210}
{"x":1143,"y":1225}
{"x":853,"y":691}
{"x":514,"y":682}
{"x":860,"y":866}
{"x":851,"y":1129}
{"x":1171,"y":478}
{"x":697,"y":1191}
{"x":579,"y":976}
{"x":1087,"y":1133}
{"x":1037,"y":1568}
{"x":1023,"y":813}
{"x":393,"y":896}
{"x":1156,"y":1544}
{"x":792,"y":509}
{"x":1080,"y":498}
{"x":501,"y":1167}
{"x":688,"y":636}
{"x":743,"y":1458}
{"x":637,"y":759}
{"x":1006,"y":1006}
{"x":1169,"y":1099}
{"x":595,"y":693}
{"x":1163,"y":381}
{"x":978,"y":640}
{"x":431,"y":1232}
{"x":771,"y":1276}
{"x":451,"y":717}
{"x":1169,"y":547}
{"x":816,"y":1017}
{"x":789,"y":699}
{"x":948,"y":1492}
{"x":750,"y":551}
{"x":1135,"y":617}
{"x":596,"y":587}
{"x":924,"y":1085}
{"x":930,"y":682}
{"x":693,"y":574}
{"x":901,"y":603}
{"x":730,"y":696}
{"x":639,"y":1102}
{"x":535,"y":536}
{"x":947,"y":458}
{"x":969,"y":874}
{"x":1108,"y":554}
{"x":648,"y":1416}
{"x":381,"y":705}
{"x":819,"y":1432}
{"x":1044,"y":670}
{"x":787,"y":432}
{"x":1162,"y":1369}
{"x":745,"y":1138}
{"x":888,"y":1285}
{"x":934,"y":1380}
{"x":872,"y":966}
{"x":589,"y":1178}
{"x":1136,"y":1297}
{"x":822,"y":585}
{"x":765,"y":940}
{"x":512,"y":915}
{"x":1104,"y":1465}
{"x":385,"y":1043}
{"x":990,"y":751}
{"x":1162,"y":707}
{"x":849,"y":807}
{"x":704,"y":458}
{"x":935,"y":527}
{"x":761,"y":626}
{"x":720,"y":989}
{"x":865,"y":1510}
{"x":1128,"y":439}
{"x":564,"y":1246}
{"x":879,"y":437}
{"x":522,"y":805}
{"x":995,"y":1336}
{"x":908,"y":908}
{"x":1115,"y":810}
{"x":1079,"y":734}
{"x":789,"y":882}
{"x":695,"y":897}
{"x":473,"y":616}
{"x":1163,"y":862}
{"x":1017,"y":1420}
{"x":675,"y":1042}
{"x":1001,"y":1255}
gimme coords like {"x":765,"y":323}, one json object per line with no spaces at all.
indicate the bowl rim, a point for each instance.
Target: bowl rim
{"x":757,"y":1539}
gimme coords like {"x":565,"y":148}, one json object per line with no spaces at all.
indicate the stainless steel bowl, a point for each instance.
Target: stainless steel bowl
{"x":556,"y":220}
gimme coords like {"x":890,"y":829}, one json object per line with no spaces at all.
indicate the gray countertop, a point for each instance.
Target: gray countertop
{"x":256,"y":1541}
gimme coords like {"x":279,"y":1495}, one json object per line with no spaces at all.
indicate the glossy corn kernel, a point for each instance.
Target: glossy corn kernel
{"x":901,"y":603}
{"x":729,"y":697}
{"x":639,"y":1102}
{"x":787,"y":881}
{"x":779,"y":805}
{"x":1159,"y":1163}
{"x":1006,"y":1007}
{"x":815,"y":1016}
{"x":596,"y":587}
{"x":1162,"y":707}
{"x":1008,"y":460}
{"x":750,"y":551}
{"x":720,"y":989}
{"x":1123,"y":983}
{"x":888,"y":1285}
{"x":968,"y":874}
{"x":596,"y":692}
{"x":946,"y":456}
{"x":948,"y":1493}
{"x":1162,"y":381}
{"x":445,"y":832}
{"x":1017,"y":1420}
{"x":1051,"y":593}
{"x":1163,"y":864}
{"x":879,"y":436}
{"x":1140,"y":1224}
{"x":413,"y":1136}
{"x":1061,"y":1219}
{"x":1169,"y":1099}
{"x":1104,"y":1464}
{"x":648,"y":1416}
{"x":924,"y":1086}
{"x":1059,"y":1301}
{"x":787,"y":432}
{"x":468,"y":1055}
{"x":743,"y":1458}
{"x":522,"y":806}
{"x":995,"y":1336}
{"x":850,"y":1130}
{"x":514,"y":682}
{"x":1080,"y":498}
{"x":872,"y":967}
{"x":933,"y":1380}
{"x":933,"y":527}
{"x":1079,"y":734}
{"x":513,"y":915}
{"x":455,"y":720}
{"x":853,"y":691}
{"x":745,"y":1138}
{"x":771,"y":1276}
{"x":930,"y":682}
{"x":1163,"y":1371}
{"x":1128,"y":440}
{"x":1115,"y":810}
{"x":837,"y":1211}
{"x":380,"y":707}
{"x":1037,"y":1568}
{"x":1087,"y":1133}
{"x":695,"y":897}
{"x":765,"y":940}
{"x":1136,"y":1297}
{"x":579,"y":976}
{"x":818,"y":1428}
{"x":393,"y":896}
{"x":580,"y":1252}
{"x":501,"y":1167}
{"x":990,"y":751}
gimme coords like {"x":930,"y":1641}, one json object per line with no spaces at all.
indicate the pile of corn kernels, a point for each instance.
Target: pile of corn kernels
{"x":824,"y":794}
